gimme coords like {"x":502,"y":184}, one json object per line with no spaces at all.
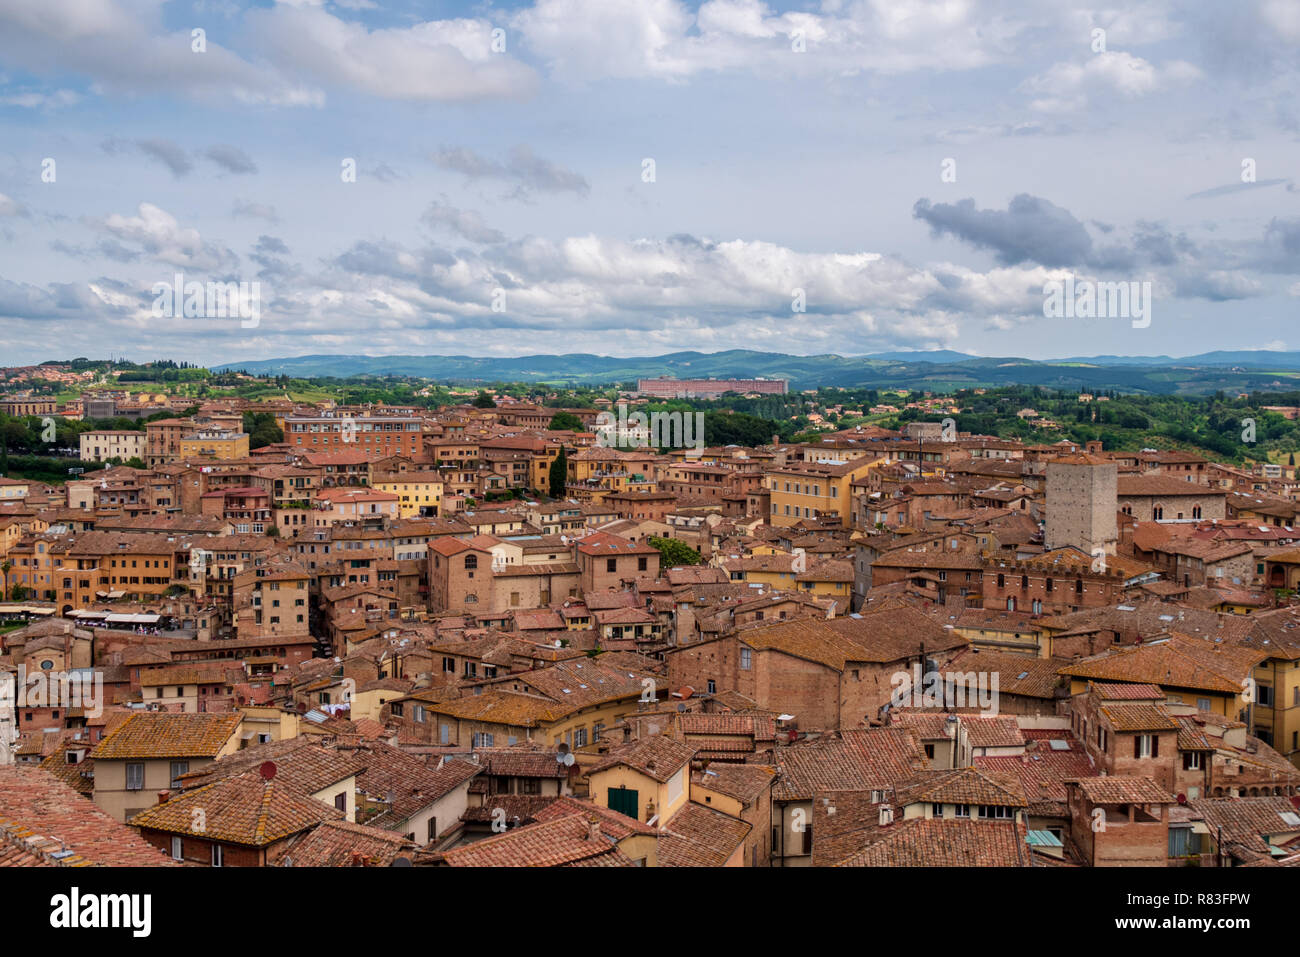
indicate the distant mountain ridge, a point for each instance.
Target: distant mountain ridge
{"x":1206,"y":372}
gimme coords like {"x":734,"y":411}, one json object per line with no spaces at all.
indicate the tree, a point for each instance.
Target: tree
{"x":5,"y":568}
{"x":674,"y":551}
{"x":559,"y":474}
{"x":566,"y":421}
{"x":483,"y":401}
{"x":262,"y":430}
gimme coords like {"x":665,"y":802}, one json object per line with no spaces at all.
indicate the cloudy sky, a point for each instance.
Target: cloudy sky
{"x":633,"y":177}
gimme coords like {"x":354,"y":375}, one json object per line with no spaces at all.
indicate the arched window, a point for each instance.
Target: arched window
{"x":471,"y":561}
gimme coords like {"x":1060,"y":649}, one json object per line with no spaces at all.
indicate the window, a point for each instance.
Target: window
{"x":176,"y":848}
{"x":135,"y":777}
{"x":1265,"y":695}
{"x":1183,"y":843}
{"x":341,"y":802}
{"x":624,"y":801}
{"x":642,"y":564}
{"x":218,"y":855}
{"x":1146,"y":746}
{"x":961,"y":810}
{"x":611,"y":564}
{"x":1191,"y":760}
{"x":713,"y":686}
{"x":746,"y":658}
{"x":995,"y":812}
{"x":471,"y":561}
{"x":179,"y":768}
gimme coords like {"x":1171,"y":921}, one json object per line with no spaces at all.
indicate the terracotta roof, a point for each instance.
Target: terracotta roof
{"x":744,"y":782}
{"x":44,"y":823}
{"x":658,"y":757}
{"x":562,"y":835}
{"x":341,"y":844}
{"x":1116,"y":691}
{"x":868,"y":759}
{"x":246,"y":809}
{"x":992,"y":731}
{"x":1174,"y":661}
{"x":152,"y":734}
{"x":947,"y":842}
{"x":1043,"y":769}
{"x":1142,"y":485}
{"x":1123,"y":789}
{"x":301,"y":762}
{"x":520,"y":763}
{"x":1138,"y":717}
{"x":699,"y":836}
{"x":963,"y":786}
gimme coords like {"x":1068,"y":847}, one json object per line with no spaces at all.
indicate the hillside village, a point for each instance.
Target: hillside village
{"x":460,"y":637}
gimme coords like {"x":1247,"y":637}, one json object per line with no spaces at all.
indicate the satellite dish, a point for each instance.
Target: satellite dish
{"x":567,"y":760}
{"x":267,"y":770}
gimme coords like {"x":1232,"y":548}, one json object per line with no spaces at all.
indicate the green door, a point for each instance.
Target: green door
{"x":624,"y":801}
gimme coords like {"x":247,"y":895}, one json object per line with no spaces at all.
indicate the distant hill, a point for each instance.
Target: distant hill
{"x":941,"y":370}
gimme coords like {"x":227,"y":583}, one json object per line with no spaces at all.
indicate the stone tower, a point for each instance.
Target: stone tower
{"x":1081,"y":503}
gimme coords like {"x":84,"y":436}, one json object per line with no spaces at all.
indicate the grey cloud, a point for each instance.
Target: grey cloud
{"x":231,"y":158}
{"x":1239,"y":188}
{"x":467,"y":224}
{"x":244,"y":209}
{"x":1030,"y":230}
{"x":528,"y":171}
{"x":168,"y":153}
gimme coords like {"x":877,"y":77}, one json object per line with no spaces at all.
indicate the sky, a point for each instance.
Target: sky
{"x":638,"y":177}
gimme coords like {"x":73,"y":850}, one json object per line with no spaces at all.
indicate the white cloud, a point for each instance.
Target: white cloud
{"x":1071,"y":86}
{"x":589,"y":39}
{"x":289,"y":54}
{"x":158,"y":233}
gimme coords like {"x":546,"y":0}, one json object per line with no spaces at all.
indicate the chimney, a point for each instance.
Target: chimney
{"x":164,"y":797}
{"x":593,"y":830}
